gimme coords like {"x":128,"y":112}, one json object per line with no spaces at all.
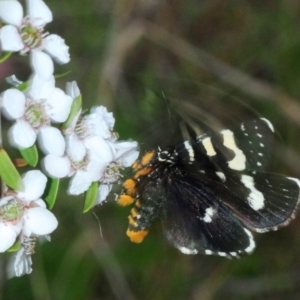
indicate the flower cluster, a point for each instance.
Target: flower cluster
{"x":89,"y":152}
{"x":78,"y":145}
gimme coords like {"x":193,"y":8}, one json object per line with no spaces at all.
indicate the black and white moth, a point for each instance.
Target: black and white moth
{"x":210,"y":192}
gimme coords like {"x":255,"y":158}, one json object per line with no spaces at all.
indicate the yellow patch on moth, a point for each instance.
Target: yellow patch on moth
{"x":239,"y":161}
{"x":129,"y":186}
{"x":134,"y":212}
{"x":132,"y":221}
{"x":142,"y":172}
{"x":136,"y":165}
{"x":136,"y":236}
{"x":147,"y":158}
{"x":209,"y":148}
{"x":138,"y":203}
{"x":125,"y":200}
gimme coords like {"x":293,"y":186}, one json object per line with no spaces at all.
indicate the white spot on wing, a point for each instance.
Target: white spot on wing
{"x":295,"y":179}
{"x":270,"y":125}
{"x":190,"y":150}
{"x":207,"y":144}
{"x":209,"y":213}
{"x":208,"y":252}
{"x":255,"y":199}
{"x":185,"y":250}
{"x":239,"y":161}
{"x":221,"y":175}
{"x":251,"y":246}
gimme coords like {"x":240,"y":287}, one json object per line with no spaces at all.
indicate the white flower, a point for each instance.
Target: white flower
{"x":87,"y":152}
{"x":19,"y":264}
{"x":127,"y":152}
{"x":25,"y":33}
{"x":92,"y":166}
{"x":34,"y":110}
{"x":85,"y":160}
{"x":100,"y":122}
{"x":24,"y":213}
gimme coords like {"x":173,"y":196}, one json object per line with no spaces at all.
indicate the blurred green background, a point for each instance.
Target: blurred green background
{"x":224,"y":56}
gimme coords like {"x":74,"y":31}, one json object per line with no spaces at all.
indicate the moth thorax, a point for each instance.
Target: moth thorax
{"x":167,"y":155}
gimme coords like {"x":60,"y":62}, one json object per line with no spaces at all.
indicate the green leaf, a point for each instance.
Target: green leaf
{"x":90,"y":197}
{"x":30,"y":155}
{"x":62,"y":75}
{"x":9,"y":173}
{"x":15,"y":247}
{"x":5,"y":57}
{"x":52,"y":190}
{"x":75,"y":108}
{"x":23,"y":86}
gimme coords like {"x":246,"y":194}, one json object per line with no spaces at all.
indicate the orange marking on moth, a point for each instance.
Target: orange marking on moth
{"x":136,"y":165}
{"x":125,"y":200}
{"x":142,"y":172}
{"x":134,"y":212}
{"x":129,"y":185}
{"x":138,"y":203}
{"x":136,"y":236}
{"x":147,"y":158}
{"x":132,"y":221}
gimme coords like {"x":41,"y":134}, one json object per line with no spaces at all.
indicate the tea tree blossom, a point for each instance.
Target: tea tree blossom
{"x":25,"y":33}
{"x":87,"y":152}
{"x":92,"y":153}
{"x":79,"y":145}
{"x":34,"y":110}
{"x":24,"y":214}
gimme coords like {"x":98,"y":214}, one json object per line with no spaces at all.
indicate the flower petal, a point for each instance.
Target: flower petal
{"x":51,"y":141}
{"x":19,"y":264}
{"x":100,"y":148}
{"x":79,"y":183}
{"x":21,"y":135}
{"x":8,"y":236}
{"x":101,"y":112}
{"x":39,"y":88}
{"x":40,"y":203}
{"x":39,"y":221}
{"x":13,"y":103}
{"x":11,"y":12}
{"x":75,"y":149}
{"x":95,"y":169}
{"x":42,"y":64}
{"x":100,"y":122}
{"x":72,"y":89}
{"x":55,"y":46}
{"x":56,"y":166}
{"x":34,"y":185}
{"x":59,"y":105}
{"x":10,"y":39}
{"x":127,"y":152}
{"x":103,"y":191}
{"x":39,"y":12}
